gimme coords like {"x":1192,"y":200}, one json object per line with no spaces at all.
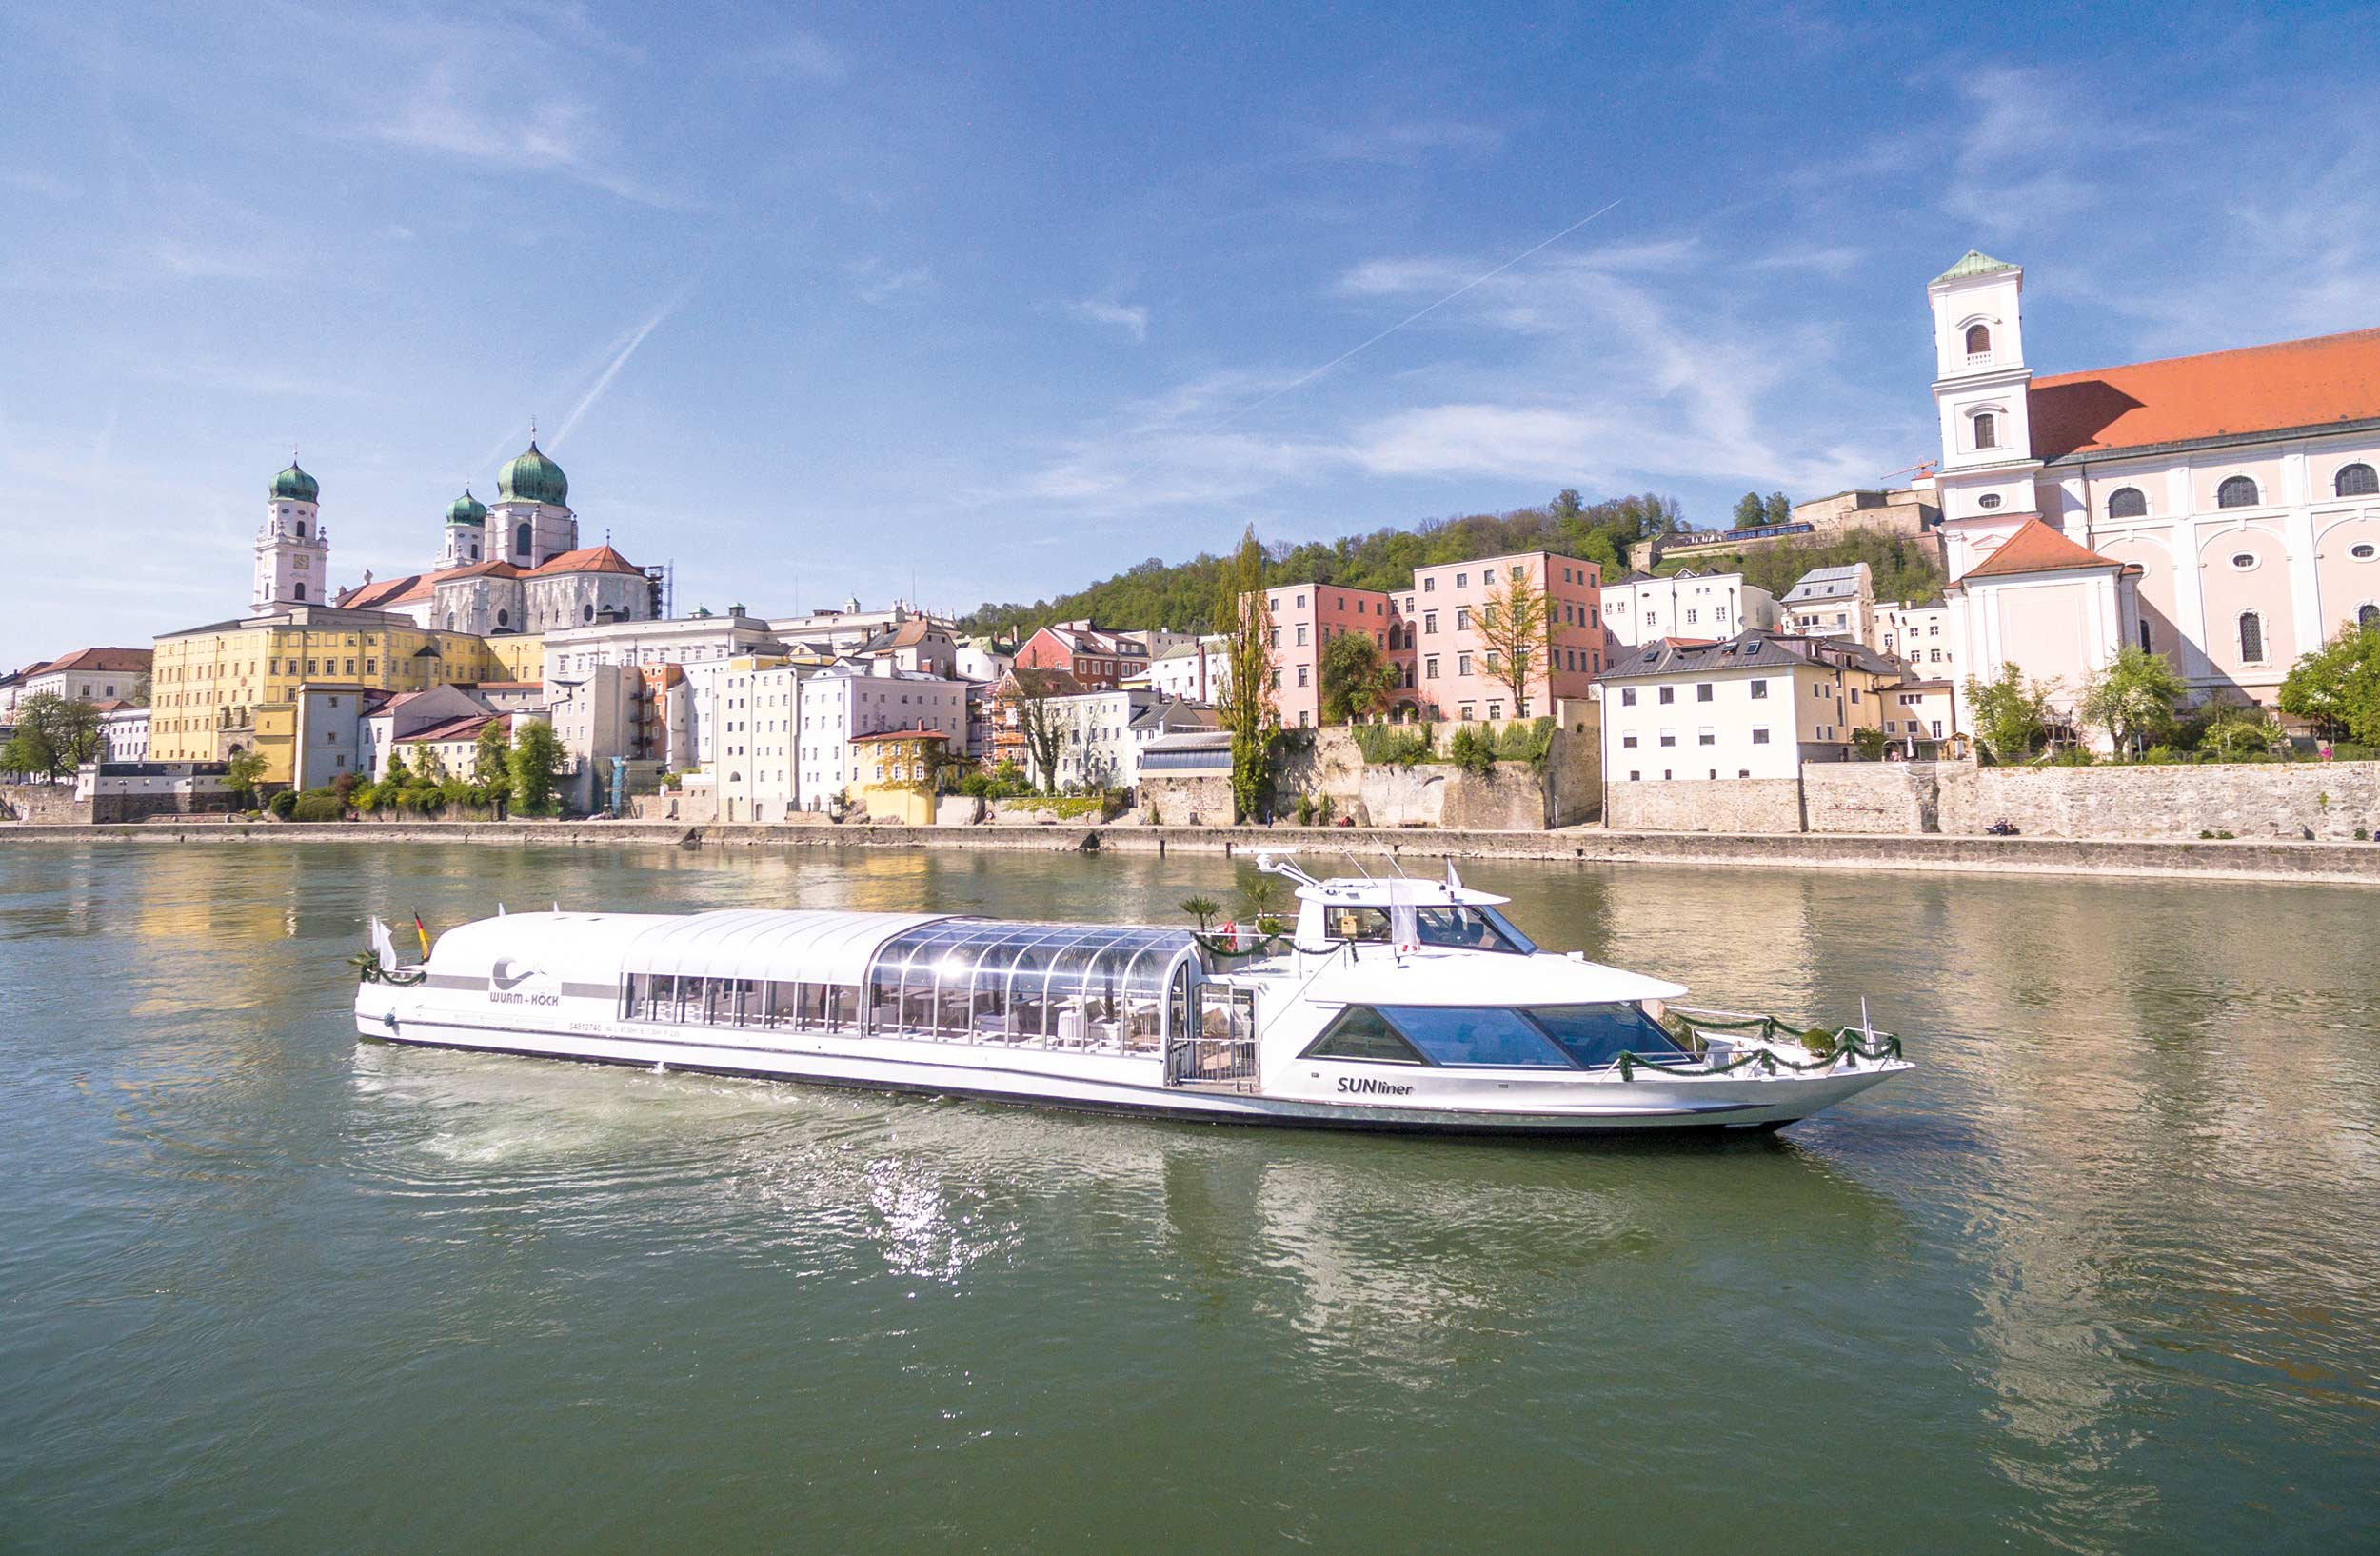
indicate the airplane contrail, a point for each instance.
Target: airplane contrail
{"x":602,"y":381}
{"x":1411,"y":318}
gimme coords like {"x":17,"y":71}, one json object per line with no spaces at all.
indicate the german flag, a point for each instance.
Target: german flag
{"x":423,"y":930}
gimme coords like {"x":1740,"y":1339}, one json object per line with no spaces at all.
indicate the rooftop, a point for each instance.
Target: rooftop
{"x":2297,"y":385}
{"x":1755,"y":649}
{"x":2037,"y":548}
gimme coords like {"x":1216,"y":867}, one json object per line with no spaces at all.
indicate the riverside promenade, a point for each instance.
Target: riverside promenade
{"x":2246,"y":859}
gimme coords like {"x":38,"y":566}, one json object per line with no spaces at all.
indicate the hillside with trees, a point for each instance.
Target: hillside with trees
{"x":1181,"y":597}
{"x":1903,"y":569}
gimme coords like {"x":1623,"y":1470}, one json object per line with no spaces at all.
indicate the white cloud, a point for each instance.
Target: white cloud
{"x":1132,"y":318}
{"x":877,"y":284}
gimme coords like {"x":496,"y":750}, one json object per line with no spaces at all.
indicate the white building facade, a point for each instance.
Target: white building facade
{"x":1638,"y":608}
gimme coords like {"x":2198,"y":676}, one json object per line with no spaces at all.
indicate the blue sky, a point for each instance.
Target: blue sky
{"x":828,"y":300}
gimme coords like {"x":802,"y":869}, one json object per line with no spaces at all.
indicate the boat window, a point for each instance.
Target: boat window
{"x":1596,"y":1035}
{"x":1355,"y":923}
{"x":1491,"y":1035}
{"x":1362,"y":1033}
{"x":1472,"y":928}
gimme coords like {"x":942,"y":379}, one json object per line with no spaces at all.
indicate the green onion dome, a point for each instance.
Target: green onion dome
{"x":467,"y":509}
{"x":293,"y":486}
{"x":530,"y":477}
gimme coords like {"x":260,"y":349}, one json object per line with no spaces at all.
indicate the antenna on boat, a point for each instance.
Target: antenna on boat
{"x":1398,"y":865}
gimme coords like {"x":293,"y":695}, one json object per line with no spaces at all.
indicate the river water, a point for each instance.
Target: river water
{"x":2103,"y":1275}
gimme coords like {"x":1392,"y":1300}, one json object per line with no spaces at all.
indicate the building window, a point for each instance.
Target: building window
{"x":1668,"y":694}
{"x":2126,"y":503}
{"x":2145,"y":647}
{"x":1629,"y":742}
{"x":1429,"y":672}
{"x":1987,"y":429}
{"x":1979,"y":341}
{"x":1759,"y":691}
{"x":298,"y":591}
{"x":2355,"y":481}
{"x":2368,"y":615}
{"x":1706,"y":736}
{"x":2237,"y":492}
{"x":2363,"y":551}
{"x":1669,"y":737}
{"x":1702,"y":692}
{"x":2251,"y":638}
{"x":2243,"y":560}
{"x":1990,"y":499}
{"x":1628,"y":696}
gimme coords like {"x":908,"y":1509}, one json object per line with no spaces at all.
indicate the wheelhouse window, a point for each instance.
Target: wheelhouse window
{"x":1363,"y":1035}
{"x":1460,"y":929}
{"x":2237,"y":492}
{"x":1488,"y":1037}
{"x":1596,"y":1035}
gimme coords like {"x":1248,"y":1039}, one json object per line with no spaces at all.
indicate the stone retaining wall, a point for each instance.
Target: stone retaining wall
{"x":2248,"y":799}
{"x":1721,"y":804}
{"x":1870,"y":796}
{"x":49,"y":804}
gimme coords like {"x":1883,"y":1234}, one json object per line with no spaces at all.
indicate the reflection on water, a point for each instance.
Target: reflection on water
{"x":2095,"y":1277}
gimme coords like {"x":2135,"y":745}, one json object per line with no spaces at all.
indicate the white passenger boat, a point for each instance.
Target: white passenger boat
{"x":1392,"y":1004}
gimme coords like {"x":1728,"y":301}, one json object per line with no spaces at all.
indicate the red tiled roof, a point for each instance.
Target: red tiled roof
{"x":96,"y":659}
{"x":496,"y":569}
{"x":461,"y":729}
{"x":585,"y":559}
{"x":2257,"y":388}
{"x":2037,"y":548}
{"x":386,"y":591}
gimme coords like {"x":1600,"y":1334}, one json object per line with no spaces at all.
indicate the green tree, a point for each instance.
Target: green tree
{"x":2012,"y":714}
{"x":1246,"y":706}
{"x":1516,"y":627}
{"x":2337,"y":687}
{"x":1202,"y":909}
{"x":1032,"y":697}
{"x":1778,"y":509}
{"x":535,"y":762}
{"x":1357,"y":678}
{"x":53,"y":736}
{"x":493,"y":760}
{"x":2132,"y":698}
{"x":242,"y":772}
{"x":1751,"y":513}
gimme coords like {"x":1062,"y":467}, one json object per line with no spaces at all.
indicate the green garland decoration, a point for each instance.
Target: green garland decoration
{"x":368,"y":970}
{"x":1265,"y":945}
{"x":1846,"y":1045}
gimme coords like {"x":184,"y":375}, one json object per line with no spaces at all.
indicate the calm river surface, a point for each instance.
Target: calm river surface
{"x":2104,"y":1275}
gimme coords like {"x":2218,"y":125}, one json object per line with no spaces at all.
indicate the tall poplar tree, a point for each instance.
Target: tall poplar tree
{"x":1246,"y":706}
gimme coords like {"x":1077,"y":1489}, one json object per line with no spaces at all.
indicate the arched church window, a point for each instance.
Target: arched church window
{"x":2251,"y":638}
{"x":2237,"y":492}
{"x":1987,"y":429}
{"x":2355,"y":481}
{"x":2145,"y":647}
{"x":503,"y":618}
{"x":2126,"y":503}
{"x":301,"y":529}
{"x":1978,"y":340}
{"x":2368,"y":615}
{"x":521,"y":540}
{"x":301,"y":591}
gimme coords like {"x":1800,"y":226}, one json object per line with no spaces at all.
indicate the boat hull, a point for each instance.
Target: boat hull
{"x":1649,"y":1104}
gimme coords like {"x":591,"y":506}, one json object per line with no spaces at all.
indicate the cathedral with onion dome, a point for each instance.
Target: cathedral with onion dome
{"x":507,"y":567}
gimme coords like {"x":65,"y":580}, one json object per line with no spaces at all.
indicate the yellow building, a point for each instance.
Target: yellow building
{"x":896,"y":769}
{"x":210,"y":686}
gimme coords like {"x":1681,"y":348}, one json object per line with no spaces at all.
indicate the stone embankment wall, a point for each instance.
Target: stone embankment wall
{"x":2248,"y":800}
{"x":1327,"y":762}
{"x":51,"y":803}
{"x":1728,"y":804}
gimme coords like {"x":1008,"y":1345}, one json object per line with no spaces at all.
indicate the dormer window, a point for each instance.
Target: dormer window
{"x":1978,"y":341}
{"x":1987,"y":429}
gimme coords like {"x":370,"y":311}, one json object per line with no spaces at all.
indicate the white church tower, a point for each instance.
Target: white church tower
{"x":292,"y":549}
{"x":1986,"y":478}
{"x":467,"y":533}
{"x":531,"y":521}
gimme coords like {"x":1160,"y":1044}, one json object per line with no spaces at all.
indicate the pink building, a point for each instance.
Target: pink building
{"x":1430,"y":634}
{"x":1305,"y":616}
{"x":1456,"y":678}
